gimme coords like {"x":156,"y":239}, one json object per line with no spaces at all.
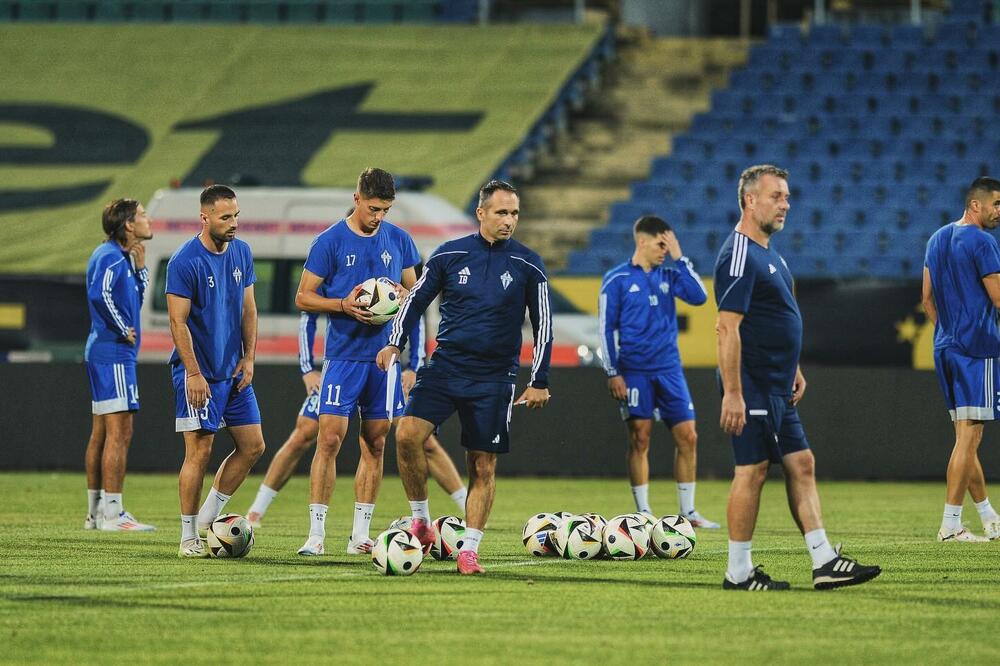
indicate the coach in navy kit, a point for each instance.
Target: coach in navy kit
{"x":486,"y":281}
{"x":760,"y":337}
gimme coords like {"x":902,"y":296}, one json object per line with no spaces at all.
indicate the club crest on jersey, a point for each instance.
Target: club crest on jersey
{"x":237,"y":275}
{"x":771,"y":269}
{"x":463,"y":275}
{"x":386,"y":258}
{"x":665,"y":287}
{"x":506,"y":279}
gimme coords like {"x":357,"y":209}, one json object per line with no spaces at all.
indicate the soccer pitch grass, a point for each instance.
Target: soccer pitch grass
{"x":68,"y":595}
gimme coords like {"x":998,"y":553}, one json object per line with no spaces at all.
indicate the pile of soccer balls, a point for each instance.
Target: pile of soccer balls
{"x":397,"y":553}
{"x":589,"y":536}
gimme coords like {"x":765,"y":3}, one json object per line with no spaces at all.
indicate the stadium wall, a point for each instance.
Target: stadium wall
{"x":863,"y":423}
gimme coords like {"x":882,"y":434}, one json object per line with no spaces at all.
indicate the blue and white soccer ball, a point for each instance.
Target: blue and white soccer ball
{"x":537,"y":534}
{"x":598,"y":520}
{"x":379,"y":296}
{"x":397,"y":553}
{"x":577,"y":538}
{"x":672,"y":537}
{"x":450,"y":531}
{"x":229,"y":535}
{"x":626,"y":538}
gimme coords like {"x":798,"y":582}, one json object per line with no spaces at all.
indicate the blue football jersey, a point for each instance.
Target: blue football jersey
{"x":214,"y":283}
{"x":754,"y":281}
{"x":114,"y":296}
{"x":958,"y":257}
{"x":344,"y":260}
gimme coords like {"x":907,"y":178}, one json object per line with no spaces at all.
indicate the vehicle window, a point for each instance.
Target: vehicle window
{"x":294,"y":275}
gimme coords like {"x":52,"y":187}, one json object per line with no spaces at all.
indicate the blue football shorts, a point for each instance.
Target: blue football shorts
{"x":113,"y":387}
{"x":969,"y":385}
{"x":664,"y":397}
{"x":358,"y":385}
{"x":773,"y":428}
{"x":310,"y":407}
{"x":227,"y":407}
{"x":484,"y":408}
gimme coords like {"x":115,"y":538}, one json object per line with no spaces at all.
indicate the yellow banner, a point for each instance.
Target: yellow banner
{"x":12,"y":316}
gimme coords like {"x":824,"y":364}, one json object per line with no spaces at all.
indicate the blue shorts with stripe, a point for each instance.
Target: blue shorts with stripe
{"x":358,"y":385}
{"x":113,"y":387}
{"x":969,"y":385}
{"x":773,"y":428}
{"x":310,"y":408}
{"x":664,"y":397}
{"x":226,"y":407}
{"x":484,"y":408}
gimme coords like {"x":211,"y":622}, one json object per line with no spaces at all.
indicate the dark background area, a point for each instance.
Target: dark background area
{"x":863,"y":423}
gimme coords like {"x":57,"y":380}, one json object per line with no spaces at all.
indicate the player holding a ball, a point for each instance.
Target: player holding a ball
{"x":359,"y":247}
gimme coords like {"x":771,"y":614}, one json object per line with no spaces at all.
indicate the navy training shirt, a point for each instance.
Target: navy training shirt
{"x":754,"y":281}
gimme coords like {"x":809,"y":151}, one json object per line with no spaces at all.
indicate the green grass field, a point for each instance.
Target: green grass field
{"x":67,"y":595}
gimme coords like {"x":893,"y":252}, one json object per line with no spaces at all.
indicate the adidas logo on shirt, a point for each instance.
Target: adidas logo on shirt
{"x":771,"y":269}
{"x":463,"y":275}
{"x":633,"y":289}
{"x":496,"y":440}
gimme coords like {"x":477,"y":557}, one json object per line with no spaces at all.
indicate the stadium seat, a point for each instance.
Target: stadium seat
{"x":830,"y":35}
{"x":969,"y":9}
{"x":785,"y":33}
{"x":956,"y":34}
{"x":868,"y":36}
{"x":908,"y":36}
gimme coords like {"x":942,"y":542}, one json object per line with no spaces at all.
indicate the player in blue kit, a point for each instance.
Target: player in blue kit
{"x":303,"y":436}
{"x":486,"y":280}
{"x":760,"y":337}
{"x":116,"y":284}
{"x":961,"y":294}
{"x":356,"y":248}
{"x":638,"y":320}
{"x":213,"y":321}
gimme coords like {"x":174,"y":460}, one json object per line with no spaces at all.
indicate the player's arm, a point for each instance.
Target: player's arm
{"x":609,"y":315}
{"x":307,"y":338}
{"x":412,"y":308}
{"x":178,"y":310}
{"x":734,"y":408}
{"x":102,"y":295}
{"x":536,"y":394}
{"x":687,"y":283}
{"x":992,"y":284}
{"x":417,"y":355}
{"x":308,"y":299}
{"x":138,"y":253}
{"x":248,"y":328}
{"x":927,"y":295}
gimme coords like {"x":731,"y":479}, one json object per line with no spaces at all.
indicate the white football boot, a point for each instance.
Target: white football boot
{"x":125,"y":522}
{"x":992,"y":529}
{"x":962,"y":535}
{"x":313,"y":546}
{"x":193,"y":549}
{"x":360,"y":547}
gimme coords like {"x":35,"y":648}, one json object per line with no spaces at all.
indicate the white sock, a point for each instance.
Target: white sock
{"x":213,"y":506}
{"x":641,"y":495}
{"x":421,"y":509}
{"x":471,"y":539}
{"x":685,"y":496}
{"x":265,"y":495}
{"x":819,"y":548}
{"x":317,"y":520}
{"x":112,"y":505}
{"x":362,"y":521}
{"x":740,"y":565}
{"x":93,"y":497}
{"x":459,"y":497}
{"x":189,"y":529}
{"x":986,"y":512}
{"x":952,"y":520}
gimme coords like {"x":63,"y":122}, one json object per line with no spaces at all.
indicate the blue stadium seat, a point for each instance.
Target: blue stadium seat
{"x":956,"y":34}
{"x":771,"y":57}
{"x":979,"y":105}
{"x":908,"y":36}
{"x":866,"y":35}
{"x":970,"y":9}
{"x":786,"y":33}
{"x":829,"y":35}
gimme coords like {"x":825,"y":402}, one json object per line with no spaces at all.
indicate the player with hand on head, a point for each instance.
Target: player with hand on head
{"x":961,"y":295}
{"x":486,"y":280}
{"x":361,"y":246}
{"x":638,"y":319}
{"x":760,"y":338}
{"x":213,"y":322}
{"x":116,"y":284}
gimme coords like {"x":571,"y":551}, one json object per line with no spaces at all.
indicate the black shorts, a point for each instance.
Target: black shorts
{"x":484,"y":408}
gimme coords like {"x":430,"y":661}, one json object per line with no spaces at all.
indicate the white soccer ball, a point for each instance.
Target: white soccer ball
{"x":625,"y":538}
{"x":397,"y":553}
{"x":598,"y":520}
{"x":402,"y":523}
{"x":230,"y":536}
{"x":563,"y":515}
{"x":379,"y":296}
{"x":672,"y":537}
{"x":577,"y":539}
{"x":448,"y":540}
{"x":538,"y":532}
